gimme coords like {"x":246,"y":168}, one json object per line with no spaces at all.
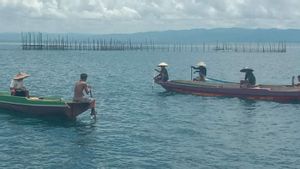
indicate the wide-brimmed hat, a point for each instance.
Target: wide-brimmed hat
{"x":246,"y":69}
{"x":201,"y":64}
{"x":162,"y":64}
{"x":21,"y":75}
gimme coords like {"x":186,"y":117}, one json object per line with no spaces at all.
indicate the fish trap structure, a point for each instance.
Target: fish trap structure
{"x":43,"y":41}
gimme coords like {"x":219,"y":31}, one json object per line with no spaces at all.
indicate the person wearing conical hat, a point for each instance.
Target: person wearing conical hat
{"x":250,"y":79}
{"x":201,"y":69}
{"x":17,"y":87}
{"x":163,"y":73}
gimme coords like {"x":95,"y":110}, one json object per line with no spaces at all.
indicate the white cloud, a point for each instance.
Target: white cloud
{"x":145,"y":15}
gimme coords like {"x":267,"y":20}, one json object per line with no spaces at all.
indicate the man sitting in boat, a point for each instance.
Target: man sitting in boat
{"x":17,"y":87}
{"x":81,"y":90}
{"x":163,"y":73}
{"x":201,"y":69}
{"x":249,"y":77}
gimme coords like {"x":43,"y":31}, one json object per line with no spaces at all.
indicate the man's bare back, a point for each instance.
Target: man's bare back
{"x":79,"y":89}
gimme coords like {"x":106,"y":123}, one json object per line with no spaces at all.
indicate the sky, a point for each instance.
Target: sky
{"x":129,"y":16}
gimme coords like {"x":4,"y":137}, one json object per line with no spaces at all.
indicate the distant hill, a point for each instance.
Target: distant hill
{"x":10,"y":37}
{"x":187,"y":36}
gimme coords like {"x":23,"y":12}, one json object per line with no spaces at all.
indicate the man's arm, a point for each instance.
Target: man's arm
{"x":12,"y":84}
{"x":86,"y":88}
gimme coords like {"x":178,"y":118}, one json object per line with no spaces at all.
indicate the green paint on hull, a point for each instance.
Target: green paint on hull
{"x":5,"y":97}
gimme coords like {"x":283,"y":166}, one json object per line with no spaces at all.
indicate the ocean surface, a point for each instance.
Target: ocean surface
{"x":142,"y":126}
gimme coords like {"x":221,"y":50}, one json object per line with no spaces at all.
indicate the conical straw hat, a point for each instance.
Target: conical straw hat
{"x":163,"y":64}
{"x":21,"y":75}
{"x":246,"y":69}
{"x":201,"y":64}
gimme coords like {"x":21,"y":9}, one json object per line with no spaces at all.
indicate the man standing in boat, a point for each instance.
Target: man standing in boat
{"x":201,"y":69}
{"x":163,"y":73}
{"x":17,"y":87}
{"x":249,"y":77}
{"x":81,"y":90}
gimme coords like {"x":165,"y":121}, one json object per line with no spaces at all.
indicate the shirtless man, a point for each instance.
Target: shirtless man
{"x":82,"y":87}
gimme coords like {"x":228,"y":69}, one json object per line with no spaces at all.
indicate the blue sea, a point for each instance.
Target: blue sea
{"x":139,"y":125}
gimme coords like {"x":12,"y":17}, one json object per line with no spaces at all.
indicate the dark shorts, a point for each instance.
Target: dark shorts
{"x":84,"y":100}
{"x":22,"y":93}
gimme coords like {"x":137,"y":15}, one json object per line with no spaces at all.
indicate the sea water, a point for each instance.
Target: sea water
{"x":142,"y":126}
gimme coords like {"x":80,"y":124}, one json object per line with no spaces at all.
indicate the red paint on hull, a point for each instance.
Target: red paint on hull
{"x":291,"y":94}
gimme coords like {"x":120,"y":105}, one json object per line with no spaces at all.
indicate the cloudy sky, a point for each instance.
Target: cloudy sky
{"x":124,"y":16}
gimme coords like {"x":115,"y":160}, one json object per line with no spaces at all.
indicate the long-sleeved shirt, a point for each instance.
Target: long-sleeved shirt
{"x":17,"y":84}
{"x":250,"y":78}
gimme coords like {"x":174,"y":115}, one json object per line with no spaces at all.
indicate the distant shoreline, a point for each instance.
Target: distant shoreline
{"x":10,"y":43}
{"x":192,"y":36}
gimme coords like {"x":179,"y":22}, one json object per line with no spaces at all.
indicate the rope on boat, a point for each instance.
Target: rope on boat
{"x":67,"y":105}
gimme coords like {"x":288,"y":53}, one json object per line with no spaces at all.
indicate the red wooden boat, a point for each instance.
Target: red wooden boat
{"x":280,"y":93}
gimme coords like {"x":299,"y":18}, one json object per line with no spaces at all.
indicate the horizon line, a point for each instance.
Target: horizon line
{"x":156,"y":31}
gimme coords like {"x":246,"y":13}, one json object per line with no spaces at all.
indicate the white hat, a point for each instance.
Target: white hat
{"x":21,"y":75}
{"x":201,"y":64}
{"x":163,"y":64}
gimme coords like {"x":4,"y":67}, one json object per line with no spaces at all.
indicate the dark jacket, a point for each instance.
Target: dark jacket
{"x":163,"y":75}
{"x":250,"y":78}
{"x":201,"y":70}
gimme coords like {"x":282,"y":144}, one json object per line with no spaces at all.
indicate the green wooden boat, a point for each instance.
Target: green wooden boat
{"x":42,"y":106}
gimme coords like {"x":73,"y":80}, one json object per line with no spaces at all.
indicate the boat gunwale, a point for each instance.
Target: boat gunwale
{"x":260,"y":87}
{"x":34,"y":105}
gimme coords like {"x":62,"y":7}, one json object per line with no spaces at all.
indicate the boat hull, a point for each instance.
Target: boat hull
{"x":42,"y":107}
{"x":280,"y":93}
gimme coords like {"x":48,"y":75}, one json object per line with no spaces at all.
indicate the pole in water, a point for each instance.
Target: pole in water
{"x":91,"y":95}
{"x":191,"y":73}
{"x":153,"y":80}
{"x":93,"y":111}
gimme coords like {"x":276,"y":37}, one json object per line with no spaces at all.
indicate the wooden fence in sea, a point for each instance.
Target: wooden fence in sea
{"x":42,"y":41}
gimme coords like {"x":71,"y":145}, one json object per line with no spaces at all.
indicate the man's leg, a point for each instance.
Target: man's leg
{"x":93,"y":105}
